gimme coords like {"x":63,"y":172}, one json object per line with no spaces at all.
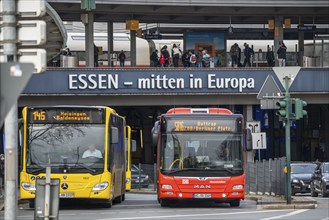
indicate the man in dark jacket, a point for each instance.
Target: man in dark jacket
{"x":282,"y":54}
{"x":248,"y":52}
{"x":154,"y":58}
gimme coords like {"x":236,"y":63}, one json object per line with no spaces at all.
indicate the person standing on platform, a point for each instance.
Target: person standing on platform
{"x":248,"y":52}
{"x":122,"y":58}
{"x":282,"y":51}
{"x":95,"y":56}
{"x":270,"y":57}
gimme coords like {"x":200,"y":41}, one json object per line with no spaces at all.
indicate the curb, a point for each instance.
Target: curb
{"x":142,"y":192}
{"x":288,"y":206}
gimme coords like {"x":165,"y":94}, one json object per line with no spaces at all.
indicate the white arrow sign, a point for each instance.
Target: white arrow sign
{"x":258,"y":141}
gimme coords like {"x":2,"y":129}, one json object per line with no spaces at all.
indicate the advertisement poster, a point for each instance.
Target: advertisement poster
{"x":213,"y":42}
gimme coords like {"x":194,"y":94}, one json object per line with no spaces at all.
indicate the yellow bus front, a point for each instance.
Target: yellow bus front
{"x":74,"y":143}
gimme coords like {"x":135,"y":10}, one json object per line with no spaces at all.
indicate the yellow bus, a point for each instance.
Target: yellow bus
{"x":83,"y":145}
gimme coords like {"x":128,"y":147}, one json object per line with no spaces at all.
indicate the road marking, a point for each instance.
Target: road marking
{"x":286,"y":215}
{"x":325,"y":218}
{"x":194,"y":215}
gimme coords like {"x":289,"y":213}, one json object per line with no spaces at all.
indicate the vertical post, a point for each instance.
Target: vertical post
{"x":133,"y":48}
{"x":11,"y":163}
{"x":89,"y":39}
{"x":10,"y":50}
{"x":47,"y":193}
{"x":110,"y":37}
{"x":139,"y":175}
{"x":155,"y":176}
{"x":287,"y":127}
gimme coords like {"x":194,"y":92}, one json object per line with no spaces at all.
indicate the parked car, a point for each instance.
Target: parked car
{"x":135,"y":182}
{"x":320,"y":180}
{"x":301,"y":174}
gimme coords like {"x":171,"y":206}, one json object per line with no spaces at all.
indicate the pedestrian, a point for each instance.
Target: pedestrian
{"x":186,"y":59}
{"x":248,"y":52}
{"x":234,"y":51}
{"x":154,"y":58}
{"x":122,"y":58}
{"x":176,"y":54}
{"x":239,"y":56}
{"x":162,"y":60}
{"x":199,"y":59}
{"x":193,"y":58}
{"x":205,"y":59}
{"x":282,"y":54}
{"x":95,"y":56}
{"x":270,"y":57}
{"x":216,"y":60}
{"x":166,"y":55}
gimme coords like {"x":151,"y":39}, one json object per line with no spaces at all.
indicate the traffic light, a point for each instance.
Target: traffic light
{"x":299,"y":112}
{"x":282,"y":112}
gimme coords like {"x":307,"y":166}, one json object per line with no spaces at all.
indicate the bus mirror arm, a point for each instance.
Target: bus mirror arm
{"x":133,"y":146}
{"x":155,"y":132}
{"x":248,"y":140}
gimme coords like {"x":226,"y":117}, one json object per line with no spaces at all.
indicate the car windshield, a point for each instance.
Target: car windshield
{"x":303,"y":168}
{"x":65,"y":147}
{"x":199,"y":151}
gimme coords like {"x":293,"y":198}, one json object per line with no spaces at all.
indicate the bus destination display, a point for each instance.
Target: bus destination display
{"x":199,"y":125}
{"x":69,"y":116}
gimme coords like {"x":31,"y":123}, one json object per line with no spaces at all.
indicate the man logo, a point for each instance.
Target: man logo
{"x":202,"y":178}
{"x":64,"y":186}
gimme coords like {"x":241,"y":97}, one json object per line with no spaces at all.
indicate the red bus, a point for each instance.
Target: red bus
{"x":200,"y":155}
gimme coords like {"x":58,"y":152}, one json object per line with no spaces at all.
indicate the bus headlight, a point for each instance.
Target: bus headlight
{"x":28,"y":186}
{"x":127,"y":180}
{"x":165,"y":186}
{"x":235,"y":187}
{"x":100,"y":186}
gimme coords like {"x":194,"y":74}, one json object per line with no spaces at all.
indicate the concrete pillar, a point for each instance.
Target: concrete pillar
{"x":248,"y":114}
{"x":89,"y":40}
{"x":300,"y":46}
{"x":110,"y":44}
{"x":278,"y":35}
{"x":133,"y":48}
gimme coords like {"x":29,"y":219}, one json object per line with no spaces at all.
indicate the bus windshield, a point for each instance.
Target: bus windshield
{"x":201,"y":151}
{"x":67,"y":148}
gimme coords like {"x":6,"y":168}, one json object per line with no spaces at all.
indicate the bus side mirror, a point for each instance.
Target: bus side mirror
{"x":133,"y":146}
{"x":248,"y":140}
{"x":155,"y":132}
{"x":114,"y":135}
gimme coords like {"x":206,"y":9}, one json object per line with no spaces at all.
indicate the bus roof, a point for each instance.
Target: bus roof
{"x":199,"y":111}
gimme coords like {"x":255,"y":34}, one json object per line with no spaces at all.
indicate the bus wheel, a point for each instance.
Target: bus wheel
{"x":123,"y":197}
{"x":31,"y":204}
{"x":164,"y":203}
{"x":108,"y":204}
{"x":118,"y":199}
{"x":235,"y":203}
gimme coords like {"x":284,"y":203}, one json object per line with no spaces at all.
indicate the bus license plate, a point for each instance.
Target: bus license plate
{"x":66,"y":195}
{"x":202,"y":196}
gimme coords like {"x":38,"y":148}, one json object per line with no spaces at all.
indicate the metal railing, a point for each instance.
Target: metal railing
{"x":266,"y":177}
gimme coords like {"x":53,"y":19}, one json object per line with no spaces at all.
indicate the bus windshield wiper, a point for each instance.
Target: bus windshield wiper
{"x":37,"y":170}
{"x":86,"y":167}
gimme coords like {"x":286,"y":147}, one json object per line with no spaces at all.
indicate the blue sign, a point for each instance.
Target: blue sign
{"x":168,"y":81}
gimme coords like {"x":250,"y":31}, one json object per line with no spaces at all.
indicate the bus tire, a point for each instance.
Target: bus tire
{"x":31,"y":204}
{"x":123,"y":197}
{"x":235,"y":203}
{"x":118,"y":199}
{"x":164,"y":203}
{"x":108,"y":204}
